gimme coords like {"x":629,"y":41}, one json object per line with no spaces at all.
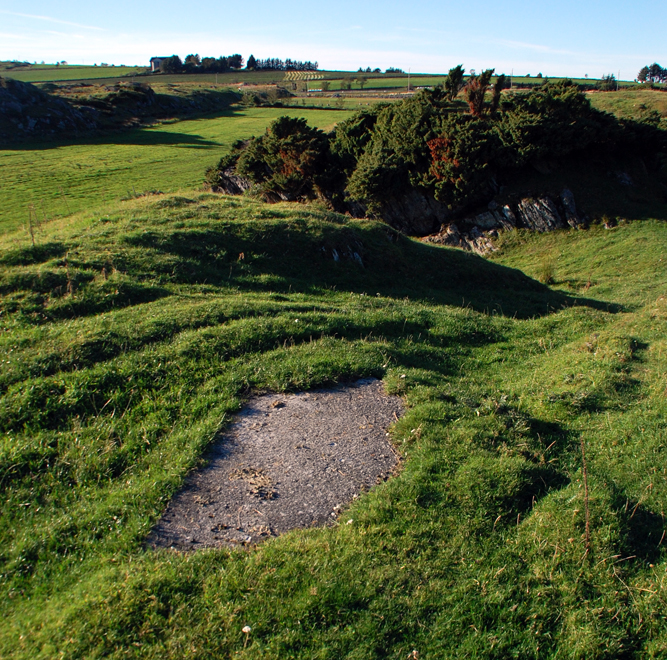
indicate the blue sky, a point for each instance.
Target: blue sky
{"x":569,"y":37}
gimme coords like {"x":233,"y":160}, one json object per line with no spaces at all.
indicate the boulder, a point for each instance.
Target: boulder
{"x":542,"y":214}
{"x":231,"y":184}
{"x":27,"y":111}
{"x":539,"y":214}
{"x":570,"y":209}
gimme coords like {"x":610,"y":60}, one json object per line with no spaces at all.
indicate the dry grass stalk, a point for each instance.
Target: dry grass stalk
{"x":587,"y":540}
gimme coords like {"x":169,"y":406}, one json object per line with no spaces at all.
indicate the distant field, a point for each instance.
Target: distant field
{"x":630,"y":102}
{"x":63,"y":177}
{"x":378,"y":82}
{"x":239,"y":77}
{"x":344,"y":102}
{"x":419,"y":80}
{"x":52,"y":73}
{"x":49,"y":73}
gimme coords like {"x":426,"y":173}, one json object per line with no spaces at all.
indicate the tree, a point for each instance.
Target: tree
{"x":252,"y":62}
{"x":361,"y":81}
{"x":607,"y":83}
{"x":235,"y":61}
{"x":454,"y":82}
{"x":501,"y":83}
{"x":171,"y":64}
{"x":325,"y":85}
{"x":476,"y":91}
{"x":655,"y":73}
{"x":192,"y":60}
{"x":643,"y":74}
{"x":290,"y":160}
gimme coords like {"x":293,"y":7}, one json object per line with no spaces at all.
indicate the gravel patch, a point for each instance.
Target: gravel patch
{"x":286,"y":461}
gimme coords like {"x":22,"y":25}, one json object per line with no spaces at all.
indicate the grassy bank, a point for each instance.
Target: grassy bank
{"x":131,"y":338}
{"x":59,"y":178}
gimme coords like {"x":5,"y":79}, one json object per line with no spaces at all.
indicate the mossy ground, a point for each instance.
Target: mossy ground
{"x":130,"y":339}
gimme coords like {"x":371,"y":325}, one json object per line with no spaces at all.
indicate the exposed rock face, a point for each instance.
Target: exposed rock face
{"x":26,"y":111}
{"x":540,"y":214}
{"x":415,"y":213}
{"x":570,"y":209}
{"x":230,"y":183}
{"x":419,"y":214}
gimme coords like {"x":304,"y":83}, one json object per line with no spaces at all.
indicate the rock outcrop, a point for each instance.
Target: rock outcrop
{"x":27,"y":111}
{"x":230,"y":183}
{"x":541,"y":214}
{"x":416,"y":213}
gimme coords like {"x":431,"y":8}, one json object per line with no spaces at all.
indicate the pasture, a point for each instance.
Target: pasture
{"x":51,"y":73}
{"x":337,"y":79}
{"x":59,"y":178}
{"x":526,"y":520}
{"x":631,"y":103}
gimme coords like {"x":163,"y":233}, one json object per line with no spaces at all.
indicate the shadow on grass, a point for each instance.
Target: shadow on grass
{"x":643,"y":531}
{"x":144,"y":135}
{"x":366,"y":258}
{"x":33,"y":254}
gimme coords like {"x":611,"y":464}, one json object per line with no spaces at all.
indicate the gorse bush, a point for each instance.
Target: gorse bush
{"x":426,"y":144}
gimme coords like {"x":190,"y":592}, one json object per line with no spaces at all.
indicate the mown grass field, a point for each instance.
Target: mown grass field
{"x":52,"y":73}
{"x":59,"y":178}
{"x":131,"y":336}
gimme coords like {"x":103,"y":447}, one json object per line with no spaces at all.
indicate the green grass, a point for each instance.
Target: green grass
{"x":59,"y":178}
{"x":631,"y":103}
{"x":131,"y":337}
{"x":51,"y":73}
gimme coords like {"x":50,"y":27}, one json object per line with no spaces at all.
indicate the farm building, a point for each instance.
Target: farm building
{"x":155,"y":63}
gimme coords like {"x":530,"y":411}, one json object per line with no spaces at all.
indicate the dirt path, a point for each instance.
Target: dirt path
{"x":286,"y":461}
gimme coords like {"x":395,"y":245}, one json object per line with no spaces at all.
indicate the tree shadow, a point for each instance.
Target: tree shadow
{"x":643,"y":531}
{"x":137,"y":137}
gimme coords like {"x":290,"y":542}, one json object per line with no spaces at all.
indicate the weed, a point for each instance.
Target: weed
{"x":547,"y":270}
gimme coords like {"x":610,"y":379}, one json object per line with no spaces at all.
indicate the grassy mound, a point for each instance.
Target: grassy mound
{"x":129,"y":341}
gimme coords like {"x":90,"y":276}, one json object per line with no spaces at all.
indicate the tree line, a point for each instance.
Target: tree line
{"x":276,"y":64}
{"x":654,"y":74}
{"x":196,"y":64}
{"x":224,"y":63}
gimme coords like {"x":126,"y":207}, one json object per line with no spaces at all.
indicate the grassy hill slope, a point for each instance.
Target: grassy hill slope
{"x":128,"y":341}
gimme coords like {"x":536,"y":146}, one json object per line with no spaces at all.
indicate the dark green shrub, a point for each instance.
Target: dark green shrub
{"x":290,"y":160}
{"x":423,"y":144}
